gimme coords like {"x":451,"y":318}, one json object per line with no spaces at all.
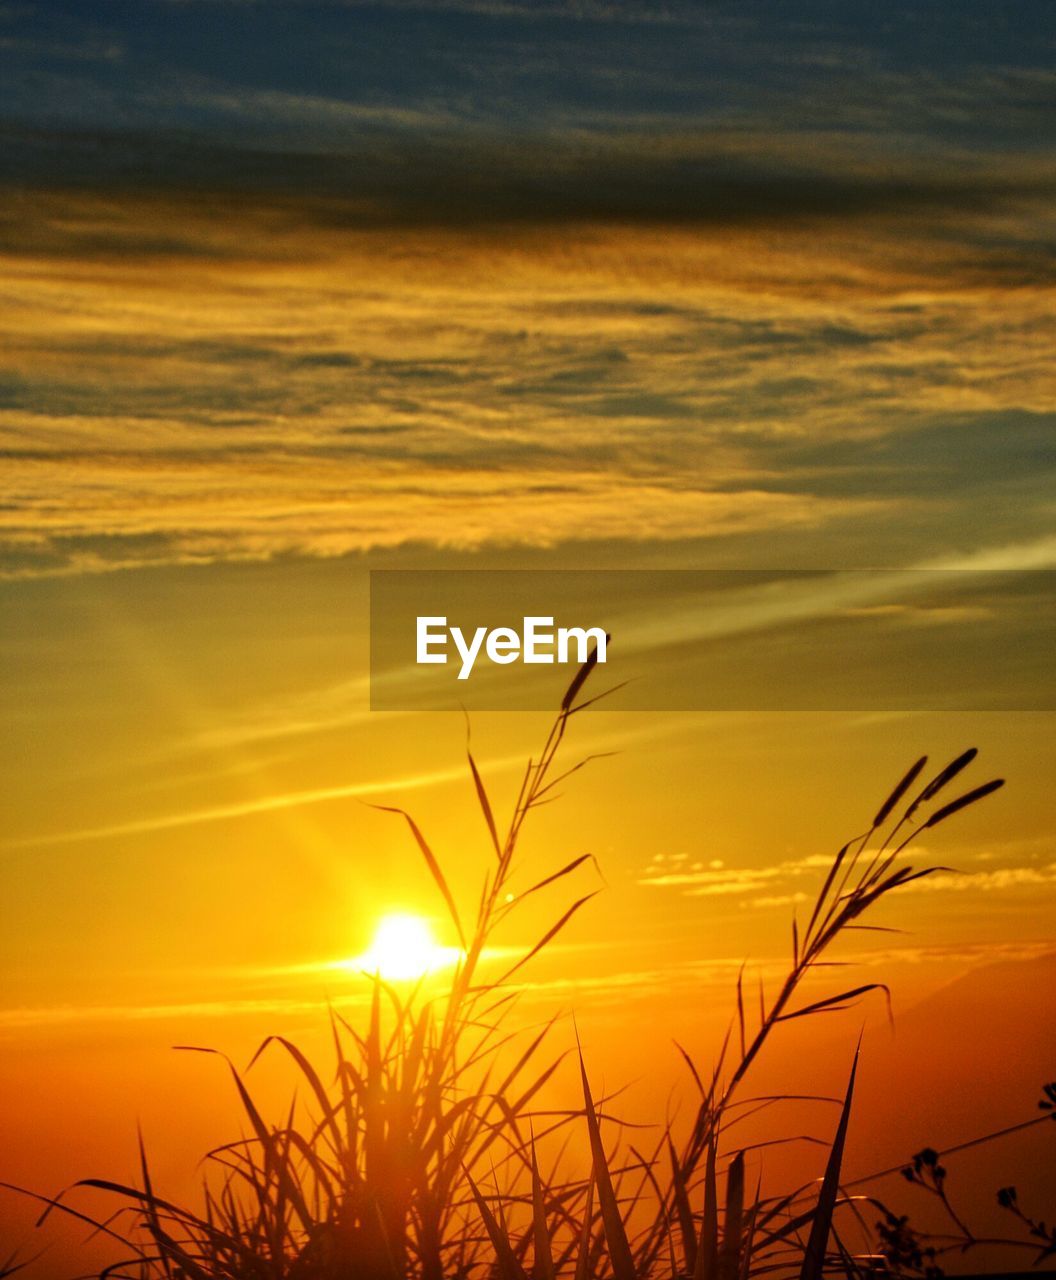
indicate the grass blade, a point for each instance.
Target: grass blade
{"x":962,"y":802}
{"x":733,"y":1221}
{"x":485,"y":805}
{"x":708,"y":1249}
{"x":543,"y":1268}
{"x":682,"y":1208}
{"x":550,"y":934}
{"x":615,"y":1233}
{"x":580,"y":678}
{"x":508,"y":1266}
{"x":585,"y":1246}
{"x":817,"y":1245}
{"x":899,"y":791}
{"x":433,"y":865}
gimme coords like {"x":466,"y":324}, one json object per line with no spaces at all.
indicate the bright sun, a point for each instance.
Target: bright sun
{"x":404,"y":948}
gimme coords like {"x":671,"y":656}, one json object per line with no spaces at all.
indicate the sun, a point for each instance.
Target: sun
{"x":404,"y":948}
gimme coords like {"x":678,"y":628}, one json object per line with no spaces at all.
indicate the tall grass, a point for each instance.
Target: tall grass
{"x":421,"y":1152}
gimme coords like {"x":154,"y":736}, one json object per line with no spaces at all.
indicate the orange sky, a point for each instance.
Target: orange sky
{"x":190,"y":855}
{"x":650,"y":335}
{"x":185,"y":691}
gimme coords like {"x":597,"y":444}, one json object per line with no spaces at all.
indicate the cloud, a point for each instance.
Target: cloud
{"x":779,"y":879}
{"x":991,"y":881}
{"x":366,"y":791}
{"x":727,"y":881}
{"x":786,"y":603}
{"x":183,"y":382}
{"x":614,"y":984}
{"x":18,"y":1019}
{"x":400,"y":166}
{"x":239,"y":809}
{"x":593,"y":273}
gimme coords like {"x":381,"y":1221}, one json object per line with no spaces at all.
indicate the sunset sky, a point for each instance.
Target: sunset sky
{"x":292,"y":291}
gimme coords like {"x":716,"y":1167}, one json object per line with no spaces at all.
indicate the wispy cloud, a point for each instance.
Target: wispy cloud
{"x":240,"y":809}
{"x":719,"y":880}
{"x":991,"y":881}
{"x":366,"y":791}
{"x":181,"y":1012}
{"x":181,"y":384}
{"x":782,"y":883}
{"x":596,"y":988}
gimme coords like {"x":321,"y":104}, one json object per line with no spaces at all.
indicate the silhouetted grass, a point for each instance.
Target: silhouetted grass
{"x":419,"y":1153}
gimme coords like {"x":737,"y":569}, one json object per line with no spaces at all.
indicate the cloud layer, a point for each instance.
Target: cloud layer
{"x":184,"y":383}
{"x":468,"y":275}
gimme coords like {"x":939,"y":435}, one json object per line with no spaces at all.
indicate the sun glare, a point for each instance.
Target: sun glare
{"x":404,"y":948}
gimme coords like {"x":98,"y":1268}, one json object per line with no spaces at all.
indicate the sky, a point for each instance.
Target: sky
{"x":292,"y":291}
